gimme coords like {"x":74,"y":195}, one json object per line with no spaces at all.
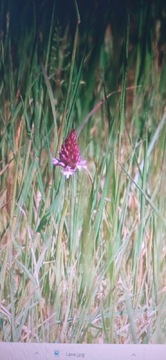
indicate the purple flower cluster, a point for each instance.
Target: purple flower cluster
{"x":69,"y":156}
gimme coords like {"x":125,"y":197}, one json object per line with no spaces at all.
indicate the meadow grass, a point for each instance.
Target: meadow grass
{"x":82,"y":260}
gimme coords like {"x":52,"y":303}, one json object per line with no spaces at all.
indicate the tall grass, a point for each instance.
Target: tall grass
{"x":81,"y":260}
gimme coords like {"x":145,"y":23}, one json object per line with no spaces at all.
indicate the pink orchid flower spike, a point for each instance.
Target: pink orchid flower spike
{"x":69,"y":156}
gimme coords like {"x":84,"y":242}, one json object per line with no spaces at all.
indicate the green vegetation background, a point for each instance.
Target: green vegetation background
{"x":83,"y":260}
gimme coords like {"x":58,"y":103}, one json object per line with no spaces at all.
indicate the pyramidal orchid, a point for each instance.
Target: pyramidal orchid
{"x":69,"y":156}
